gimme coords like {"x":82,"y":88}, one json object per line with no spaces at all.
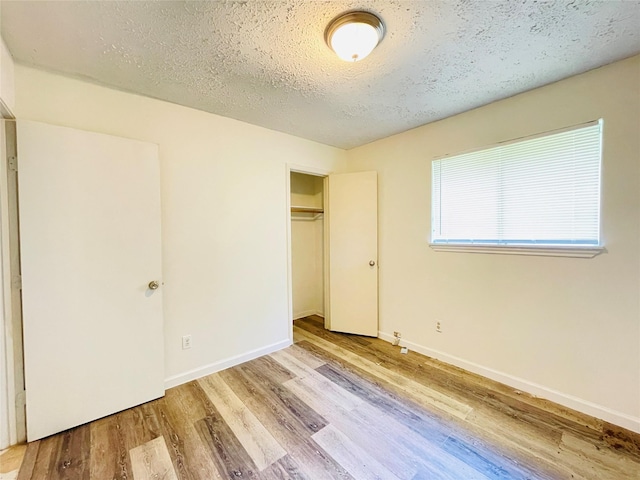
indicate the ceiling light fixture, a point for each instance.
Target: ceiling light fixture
{"x":354,"y":35}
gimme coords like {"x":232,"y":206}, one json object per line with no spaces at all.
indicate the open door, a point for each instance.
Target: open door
{"x":353,"y":253}
{"x":90,"y":250}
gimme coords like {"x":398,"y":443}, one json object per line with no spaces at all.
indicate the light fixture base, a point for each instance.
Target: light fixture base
{"x":349,"y":18}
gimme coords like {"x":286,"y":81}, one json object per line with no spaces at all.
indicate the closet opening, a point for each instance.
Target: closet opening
{"x":307,"y":201}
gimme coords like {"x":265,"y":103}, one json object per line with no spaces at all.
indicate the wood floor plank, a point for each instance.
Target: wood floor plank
{"x":258,"y":442}
{"x":480,"y":396}
{"x":109,"y":454}
{"x":151,"y":461}
{"x":341,"y":413}
{"x":489,"y":461}
{"x":407,"y":451}
{"x":452,"y":373}
{"x":306,"y":357}
{"x":288,"y":408}
{"x":472,"y":456}
{"x":29,"y":461}
{"x":313,"y":319}
{"x":183,"y":407}
{"x":516,"y":466}
{"x":270,"y":368}
{"x":290,"y":429}
{"x":419,"y":420}
{"x":539,"y":441}
{"x":307,"y":390}
{"x":230,"y":457}
{"x":466,"y":386}
{"x":516,"y":458}
{"x":315,"y":463}
{"x":310,"y":381}
{"x":415,"y":390}
{"x":164,"y":424}
{"x":521,"y":443}
{"x":358,"y":462}
{"x":452,"y":381}
{"x":290,"y":421}
{"x":46,"y":460}
{"x":69,"y":460}
{"x":589,"y":461}
{"x":622,"y":440}
{"x":285,"y":468}
{"x":11,"y":459}
{"x":134,"y":427}
{"x":298,"y":368}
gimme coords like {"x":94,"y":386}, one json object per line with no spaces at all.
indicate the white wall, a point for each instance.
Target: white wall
{"x":307,"y":246}
{"x":7,"y":93}
{"x":224,"y":200}
{"x":566,"y":329}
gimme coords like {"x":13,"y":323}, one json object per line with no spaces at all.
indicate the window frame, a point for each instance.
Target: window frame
{"x":574,"y":251}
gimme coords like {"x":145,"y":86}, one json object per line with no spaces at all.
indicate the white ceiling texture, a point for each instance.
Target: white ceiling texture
{"x":265,"y":61}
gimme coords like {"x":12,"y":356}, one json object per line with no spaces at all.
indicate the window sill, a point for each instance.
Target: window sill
{"x":545,"y":251}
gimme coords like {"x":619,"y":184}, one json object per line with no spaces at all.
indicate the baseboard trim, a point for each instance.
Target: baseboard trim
{"x":307,"y":313}
{"x":584,"y":406}
{"x":200,"y":372}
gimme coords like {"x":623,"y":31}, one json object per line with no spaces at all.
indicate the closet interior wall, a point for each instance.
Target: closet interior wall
{"x":307,"y":240}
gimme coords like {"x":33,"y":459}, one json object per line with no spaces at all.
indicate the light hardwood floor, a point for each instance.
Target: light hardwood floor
{"x":340,"y":406}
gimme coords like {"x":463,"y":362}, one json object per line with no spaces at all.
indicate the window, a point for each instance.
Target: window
{"x":538,"y":194}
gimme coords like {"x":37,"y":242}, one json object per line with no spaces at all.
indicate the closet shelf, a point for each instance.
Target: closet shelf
{"x":306,"y":210}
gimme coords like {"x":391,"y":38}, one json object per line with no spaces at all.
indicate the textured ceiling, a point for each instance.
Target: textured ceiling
{"x":266,"y":63}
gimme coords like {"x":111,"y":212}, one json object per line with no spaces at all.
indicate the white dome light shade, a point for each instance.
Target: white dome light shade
{"x":354,"y":41}
{"x":354,"y":35}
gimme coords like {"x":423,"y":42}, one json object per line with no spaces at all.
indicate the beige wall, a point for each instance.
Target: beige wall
{"x":224,"y":202}
{"x":7,"y":89}
{"x":566,"y":329}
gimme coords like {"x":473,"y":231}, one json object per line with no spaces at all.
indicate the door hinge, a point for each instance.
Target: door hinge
{"x":13,"y":163}
{"x":17,"y":282}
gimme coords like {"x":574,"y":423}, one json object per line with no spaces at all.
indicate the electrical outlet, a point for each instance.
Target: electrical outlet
{"x":438,"y":327}
{"x":186,"y":342}
{"x":397,"y":334}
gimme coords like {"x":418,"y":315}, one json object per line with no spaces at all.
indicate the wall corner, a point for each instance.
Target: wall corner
{"x":7,"y":82}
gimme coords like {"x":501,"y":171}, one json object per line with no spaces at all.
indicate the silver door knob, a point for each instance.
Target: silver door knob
{"x":153,"y":285}
{"x":372,"y":263}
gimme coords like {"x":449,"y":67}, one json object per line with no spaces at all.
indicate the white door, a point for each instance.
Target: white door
{"x":353,"y":253}
{"x":90,"y":246}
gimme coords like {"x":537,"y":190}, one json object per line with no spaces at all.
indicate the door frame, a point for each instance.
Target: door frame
{"x":317,"y":172}
{"x":13,"y":393}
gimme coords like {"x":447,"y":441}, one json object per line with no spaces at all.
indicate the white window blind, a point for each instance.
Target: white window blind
{"x":542,"y":190}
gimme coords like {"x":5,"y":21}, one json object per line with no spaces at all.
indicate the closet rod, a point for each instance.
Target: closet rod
{"x":307,"y":210}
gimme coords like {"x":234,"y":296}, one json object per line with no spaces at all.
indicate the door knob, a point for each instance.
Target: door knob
{"x":372,"y":263}
{"x":153,"y":285}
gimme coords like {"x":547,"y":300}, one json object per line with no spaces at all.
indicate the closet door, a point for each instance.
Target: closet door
{"x":90,"y":252}
{"x":353,"y":253}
